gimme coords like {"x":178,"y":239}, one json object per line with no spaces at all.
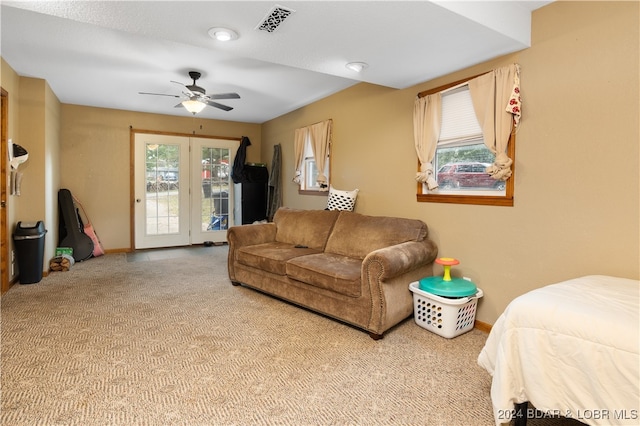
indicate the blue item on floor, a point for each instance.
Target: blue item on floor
{"x":218,"y":223}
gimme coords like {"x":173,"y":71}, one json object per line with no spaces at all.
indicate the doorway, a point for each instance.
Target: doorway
{"x":182,"y":189}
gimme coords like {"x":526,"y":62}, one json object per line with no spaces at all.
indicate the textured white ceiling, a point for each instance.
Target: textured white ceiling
{"x":102,"y":53}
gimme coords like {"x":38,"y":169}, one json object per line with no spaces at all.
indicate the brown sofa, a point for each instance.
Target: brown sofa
{"x":348,"y":266}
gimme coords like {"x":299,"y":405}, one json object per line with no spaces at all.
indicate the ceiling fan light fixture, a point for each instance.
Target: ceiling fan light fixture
{"x":222,"y":34}
{"x":193,"y":106}
{"x":356,"y":66}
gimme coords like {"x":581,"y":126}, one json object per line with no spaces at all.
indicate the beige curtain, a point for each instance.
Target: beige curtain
{"x":298,"y":152}
{"x":320,"y":142}
{"x":496,"y":101}
{"x":427,"y":119}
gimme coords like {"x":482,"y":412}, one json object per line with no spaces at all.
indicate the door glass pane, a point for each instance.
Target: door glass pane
{"x":163,"y":189}
{"x":215,"y":188}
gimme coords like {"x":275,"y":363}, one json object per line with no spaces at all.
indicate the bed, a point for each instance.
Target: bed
{"x":569,"y":349}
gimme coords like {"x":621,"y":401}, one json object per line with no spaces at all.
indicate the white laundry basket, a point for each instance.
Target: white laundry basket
{"x":447,"y":317}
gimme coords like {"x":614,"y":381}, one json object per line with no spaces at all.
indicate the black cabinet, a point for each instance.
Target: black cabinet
{"x":254,"y":193}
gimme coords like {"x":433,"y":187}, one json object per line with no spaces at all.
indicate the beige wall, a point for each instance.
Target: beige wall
{"x":34,"y":121}
{"x":51,"y":167}
{"x":577,"y":190}
{"x":95,"y":158}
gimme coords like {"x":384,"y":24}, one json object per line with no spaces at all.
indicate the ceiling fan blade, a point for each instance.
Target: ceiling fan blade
{"x":179,"y":105}
{"x":224,"y":96}
{"x":217,"y":105}
{"x":158,"y":94}
{"x":189,"y":92}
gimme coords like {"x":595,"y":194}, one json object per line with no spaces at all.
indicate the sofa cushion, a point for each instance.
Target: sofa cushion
{"x":271,"y":257}
{"x":328,"y":271}
{"x":309,"y":228}
{"x":357,"y":235}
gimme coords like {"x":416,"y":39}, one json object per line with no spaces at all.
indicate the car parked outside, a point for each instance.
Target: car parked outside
{"x":467,"y":175}
{"x":171,"y":176}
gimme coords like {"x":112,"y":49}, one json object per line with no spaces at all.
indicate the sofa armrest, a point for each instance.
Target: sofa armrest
{"x":247,"y":235}
{"x":392,"y":261}
{"x":386,"y":274}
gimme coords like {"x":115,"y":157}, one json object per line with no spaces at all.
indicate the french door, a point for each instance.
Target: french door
{"x":182,"y":189}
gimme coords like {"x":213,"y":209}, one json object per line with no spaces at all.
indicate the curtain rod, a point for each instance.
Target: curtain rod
{"x":448,"y":86}
{"x":166,"y":133}
{"x":313,"y":124}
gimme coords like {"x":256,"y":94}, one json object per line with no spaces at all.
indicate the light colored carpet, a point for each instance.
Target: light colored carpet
{"x":172,"y":342}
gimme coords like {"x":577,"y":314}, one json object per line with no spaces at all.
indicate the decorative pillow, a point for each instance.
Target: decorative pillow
{"x":341,"y":200}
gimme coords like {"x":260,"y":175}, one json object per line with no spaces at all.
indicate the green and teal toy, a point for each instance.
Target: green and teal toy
{"x":445,"y":285}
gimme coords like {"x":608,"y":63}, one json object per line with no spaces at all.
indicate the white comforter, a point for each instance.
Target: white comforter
{"x":571,"y":349}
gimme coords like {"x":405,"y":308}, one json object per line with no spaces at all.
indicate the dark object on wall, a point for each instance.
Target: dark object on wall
{"x":71,"y":228}
{"x":254,"y":193}
{"x":17,"y":156}
{"x":29,"y":244}
{"x":275,"y":184}
{"x":238,"y":170}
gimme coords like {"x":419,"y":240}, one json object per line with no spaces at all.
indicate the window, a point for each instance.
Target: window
{"x":465,"y":159}
{"x":310,"y":170}
{"x":461,"y":157}
{"x":312,"y":150}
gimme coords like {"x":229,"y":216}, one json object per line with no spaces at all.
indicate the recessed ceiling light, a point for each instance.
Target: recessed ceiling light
{"x":222,"y":34}
{"x":356,"y":66}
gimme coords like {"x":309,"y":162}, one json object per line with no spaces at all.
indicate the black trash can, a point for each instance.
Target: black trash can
{"x":29,"y":243}
{"x":206,"y":188}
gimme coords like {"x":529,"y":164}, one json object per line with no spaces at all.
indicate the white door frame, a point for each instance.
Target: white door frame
{"x":198,"y":199}
{"x":190,"y":218}
{"x":173,"y":228}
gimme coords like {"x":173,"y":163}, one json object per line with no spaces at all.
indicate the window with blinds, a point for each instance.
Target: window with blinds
{"x":461,"y":156}
{"x":459,"y":122}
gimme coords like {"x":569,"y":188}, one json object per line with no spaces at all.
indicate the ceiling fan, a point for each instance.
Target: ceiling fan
{"x":196,"y":97}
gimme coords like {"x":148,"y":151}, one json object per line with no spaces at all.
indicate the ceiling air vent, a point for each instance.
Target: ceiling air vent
{"x":274,"y":18}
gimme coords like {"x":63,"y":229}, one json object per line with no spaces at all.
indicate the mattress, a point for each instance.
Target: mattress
{"x":570,"y":349}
